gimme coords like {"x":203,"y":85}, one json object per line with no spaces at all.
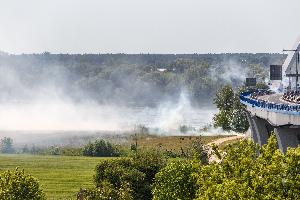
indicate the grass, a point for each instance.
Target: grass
{"x":173,"y":143}
{"x":60,"y":176}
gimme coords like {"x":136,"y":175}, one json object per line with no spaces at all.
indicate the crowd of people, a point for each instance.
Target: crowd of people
{"x":251,"y":97}
{"x":292,"y":96}
{"x":258,"y":93}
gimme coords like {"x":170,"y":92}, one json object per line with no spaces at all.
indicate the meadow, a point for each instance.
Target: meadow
{"x":174,"y":143}
{"x":60,"y":177}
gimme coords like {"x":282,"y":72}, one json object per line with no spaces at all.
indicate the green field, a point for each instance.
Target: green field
{"x":60,"y":176}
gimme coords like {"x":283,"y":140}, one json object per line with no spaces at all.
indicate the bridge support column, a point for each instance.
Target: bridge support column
{"x":287,"y":137}
{"x":260,"y":126}
{"x":253,"y":134}
{"x":258,"y":129}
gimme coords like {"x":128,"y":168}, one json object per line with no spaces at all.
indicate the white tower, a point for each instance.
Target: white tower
{"x":290,"y":68}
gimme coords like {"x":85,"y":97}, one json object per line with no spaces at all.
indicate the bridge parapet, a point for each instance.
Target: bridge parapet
{"x":284,"y":108}
{"x":265,"y":117}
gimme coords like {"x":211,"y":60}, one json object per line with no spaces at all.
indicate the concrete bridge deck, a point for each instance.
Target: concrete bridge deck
{"x":269,"y":113}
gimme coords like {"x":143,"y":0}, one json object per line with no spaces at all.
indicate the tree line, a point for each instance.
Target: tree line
{"x":142,"y":79}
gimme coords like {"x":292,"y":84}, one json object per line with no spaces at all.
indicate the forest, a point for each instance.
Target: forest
{"x":128,"y":79}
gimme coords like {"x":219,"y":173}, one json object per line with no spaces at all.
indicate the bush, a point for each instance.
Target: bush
{"x":246,"y":171}
{"x":136,"y":172}
{"x":252,"y":172}
{"x":175,"y":181}
{"x":18,"y":185}
{"x":149,"y":162}
{"x":106,"y":191}
{"x":118,"y":173}
{"x":100,"y":148}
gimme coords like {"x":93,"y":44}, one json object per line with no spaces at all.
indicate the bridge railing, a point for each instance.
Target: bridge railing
{"x":245,"y":98}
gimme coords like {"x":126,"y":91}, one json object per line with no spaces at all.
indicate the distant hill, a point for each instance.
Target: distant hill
{"x":140,"y":79}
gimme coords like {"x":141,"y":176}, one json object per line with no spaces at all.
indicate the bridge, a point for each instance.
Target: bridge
{"x":266,"y":117}
{"x":277,"y":112}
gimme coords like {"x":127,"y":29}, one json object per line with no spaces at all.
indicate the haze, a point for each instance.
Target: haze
{"x":156,"y":26}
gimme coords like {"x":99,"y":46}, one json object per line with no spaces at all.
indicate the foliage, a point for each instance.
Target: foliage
{"x":106,"y":191}
{"x":6,"y":145}
{"x":100,"y":148}
{"x":250,"y":172}
{"x":149,"y":162}
{"x":222,"y":119}
{"x":52,"y":150}
{"x":141,"y":79}
{"x":18,"y":185}
{"x":183,"y":128}
{"x":196,"y":151}
{"x":238,"y":122}
{"x":137,"y":172}
{"x":200,"y":152}
{"x":224,"y":98}
{"x":175,"y":181}
{"x":231,"y":115}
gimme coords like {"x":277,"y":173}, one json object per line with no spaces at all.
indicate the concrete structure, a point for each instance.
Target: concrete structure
{"x":266,"y":117}
{"x":289,"y":67}
{"x":272,"y":114}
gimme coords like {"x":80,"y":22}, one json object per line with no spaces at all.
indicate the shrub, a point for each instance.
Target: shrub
{"x":175,"y":181}
{"x":100,"y":148}
{"x":106,"y":191}
{"x":136,"y":172}
{"x":18,"y":185}
{"x":250,"y":172}
{"x":120,"y":172}
{"x":149,"y":162}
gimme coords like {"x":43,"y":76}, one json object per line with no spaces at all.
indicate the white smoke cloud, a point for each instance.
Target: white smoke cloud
{"x":230,"y":71}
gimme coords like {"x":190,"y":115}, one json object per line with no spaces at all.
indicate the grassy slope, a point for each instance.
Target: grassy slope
{"x":60,"y":176}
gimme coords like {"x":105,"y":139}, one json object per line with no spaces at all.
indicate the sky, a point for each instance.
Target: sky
{"x":148,"y":26}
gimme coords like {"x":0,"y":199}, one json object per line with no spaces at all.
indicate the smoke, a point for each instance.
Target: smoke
{"x":56,"y":113}
{"x":171,"y":116}
{"x":43,"y":97}
{"x":43,"y":103}
{"x":229,"y":72}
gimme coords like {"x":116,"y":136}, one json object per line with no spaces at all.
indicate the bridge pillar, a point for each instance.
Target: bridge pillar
{"x":253,"y":134}
{"x":260,"y":126}
{"x":287,"y":137}
{"x":258,"y":129}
